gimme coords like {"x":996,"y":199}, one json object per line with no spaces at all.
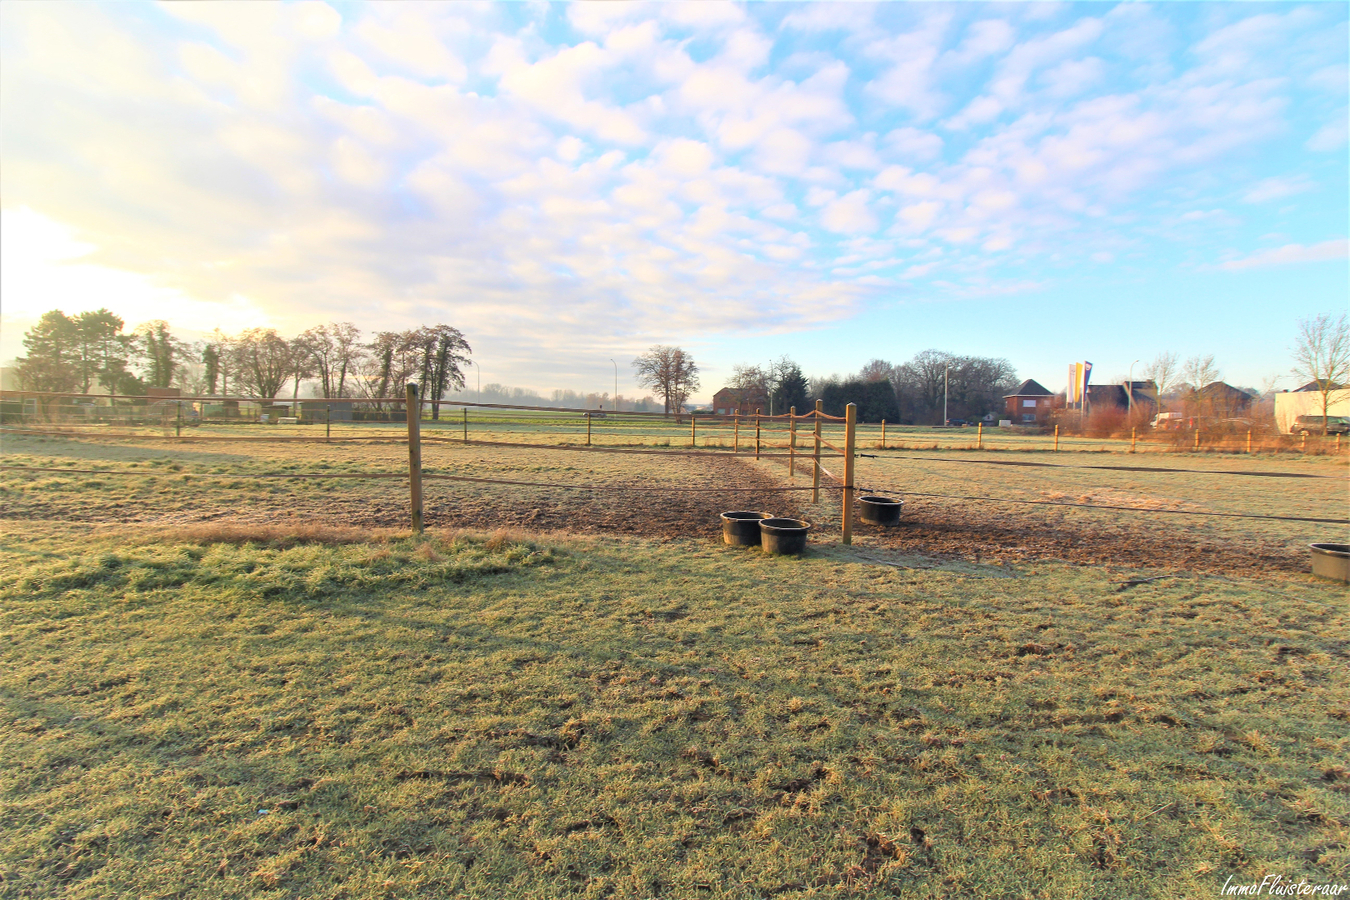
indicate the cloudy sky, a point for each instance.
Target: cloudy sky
{"x":572,"y":183}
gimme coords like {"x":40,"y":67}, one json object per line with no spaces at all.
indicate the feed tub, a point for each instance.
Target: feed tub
{"x":783,"y":537}
{"x":741,"y":528}
{"x":880,"y":510}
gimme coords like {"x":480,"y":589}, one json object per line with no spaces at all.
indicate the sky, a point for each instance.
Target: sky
{"x":570,"y":184}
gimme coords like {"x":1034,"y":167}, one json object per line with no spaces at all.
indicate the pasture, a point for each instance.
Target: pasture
{"x":220,"y":684}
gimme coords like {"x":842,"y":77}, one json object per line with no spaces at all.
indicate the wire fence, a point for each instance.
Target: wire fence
{"x":808,"y":441}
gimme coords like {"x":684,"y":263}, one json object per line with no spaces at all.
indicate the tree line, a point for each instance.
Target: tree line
{"x":91,"y":350}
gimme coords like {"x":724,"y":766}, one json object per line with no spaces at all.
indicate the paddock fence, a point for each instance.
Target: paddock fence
{"x":811,"y":442}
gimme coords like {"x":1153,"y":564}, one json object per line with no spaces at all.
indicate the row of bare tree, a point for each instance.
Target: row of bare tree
{"x":79,"y":353}
{"x":260,"y":362}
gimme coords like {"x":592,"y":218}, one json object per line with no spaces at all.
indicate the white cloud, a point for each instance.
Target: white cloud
{"x":1333,"y":135}
{"x":919,"y":217}
{"x":354,"y":164}
{"x":912,"y":144}
{"x":910,"y":82}
{"x":849,"y":214}
{"x":686,"y":158}
{"x":555,"y":86}
{"x":826,"y":17}
{"x":406,"y":37}
{"x":1277,"y":188}
{"x":1290,"y":254}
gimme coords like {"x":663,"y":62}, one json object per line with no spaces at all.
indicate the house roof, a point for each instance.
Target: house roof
{"x":1314,"y":387}
{"x":1221,"y":389}
{"x":1030,"y":388}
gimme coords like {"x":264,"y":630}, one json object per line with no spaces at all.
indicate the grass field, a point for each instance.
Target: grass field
{"x":227,"y":701}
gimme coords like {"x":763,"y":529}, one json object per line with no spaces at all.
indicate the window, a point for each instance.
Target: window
{"x":1029,"y":403}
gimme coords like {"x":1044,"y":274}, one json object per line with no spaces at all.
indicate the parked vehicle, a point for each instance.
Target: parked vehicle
{"x":1313,"y":425}
{"x":1169,"y":421}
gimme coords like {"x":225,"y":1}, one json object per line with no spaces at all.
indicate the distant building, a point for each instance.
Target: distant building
{"x":729,"y":401}
{"x":1307,"y":401}
{"x":1030,"y":404}
{"x":1141,"y":394}
{"x":1221,"y":401}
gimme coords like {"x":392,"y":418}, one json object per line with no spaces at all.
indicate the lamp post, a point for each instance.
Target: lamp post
{"x":616,"y":384}
{"x":945,"y":373}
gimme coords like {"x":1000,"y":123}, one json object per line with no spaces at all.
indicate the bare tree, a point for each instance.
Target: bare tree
{"x":1198,"y":372}
{"x":1163,"y":372}
{"x":261,"y":361}
{"x":877,"y":370}
{"x":669,"y":371}
{"x":335,"y":349}
{"x":1322,"y":355}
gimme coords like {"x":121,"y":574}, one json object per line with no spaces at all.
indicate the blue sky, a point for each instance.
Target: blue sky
{"x":573,"y":183}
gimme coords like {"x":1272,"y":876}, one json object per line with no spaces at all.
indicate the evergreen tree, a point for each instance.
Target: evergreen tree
{"x":53,"y":360}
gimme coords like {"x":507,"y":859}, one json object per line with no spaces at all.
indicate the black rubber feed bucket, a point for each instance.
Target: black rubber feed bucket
{"x":783,"y":537}
{"x":741,"y":529}
{"x":880,"y":510}
{"x":1331,"y":561}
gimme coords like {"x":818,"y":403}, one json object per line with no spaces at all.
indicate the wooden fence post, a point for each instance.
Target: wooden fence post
{"x":414,"y":408}
{"x":979,"y":436}
{"x":815,"y":467}
{"x":178,"y":430}
{"x":757,"y":412}
{"x":1056,"y":437}
{"x":693,"y":430}
{"x":1249,"y":440}
{"x":588,"y":429}
{"x":850,"y":426}
{"x":1134,"y":436}
{"x":465,"y":412}
{"x":1197,"y":438}
{"x":883,"y":434}
{"x":792,"y":442}
{"x":736,"y":440}
{"x":328,"y":423}
{"x":1303,"y":447}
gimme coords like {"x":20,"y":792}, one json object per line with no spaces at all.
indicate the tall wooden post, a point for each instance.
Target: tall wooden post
{"x":693,"y":430}
{"x":415,"y":456}
{"x":757,"y":412}
{"x":815,"y":466}
{"x":736,"y":440}
{"x":1197,"y":437}
{"x":1134,"y":436}
{"x":178,"y":429}
{"x":883,"y":434}
{"x":1056,"y":437}
{"x":850,"y":426}
{"x":1249,"y":441}
{"x":328,"y":424}
{"x":979,"y":436}
{"x":792,"y":442}
{"x":1304,"y":446}
{"x":588,"y":429}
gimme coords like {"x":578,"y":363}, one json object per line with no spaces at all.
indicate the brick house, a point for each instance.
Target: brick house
{"x":729,"y":401}
{"x":1030,"y":404}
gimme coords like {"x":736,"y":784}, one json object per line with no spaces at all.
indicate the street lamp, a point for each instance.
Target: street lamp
{"x":616,"y":384}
